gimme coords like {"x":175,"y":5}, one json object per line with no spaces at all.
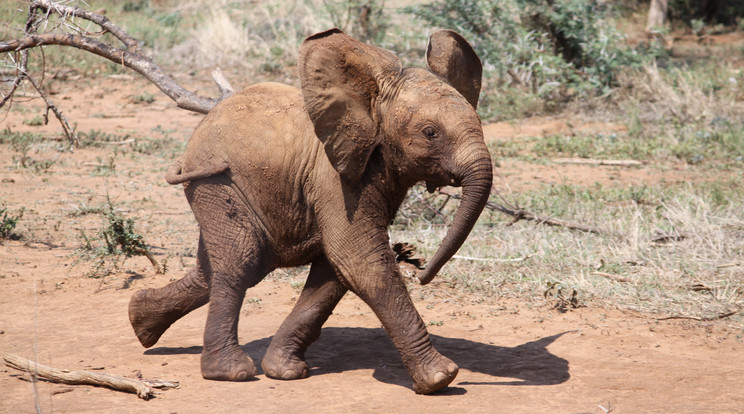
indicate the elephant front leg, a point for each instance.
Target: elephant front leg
{"x":430,"y":370}
{"x":285,"y":357}
{"x":375,"y":278}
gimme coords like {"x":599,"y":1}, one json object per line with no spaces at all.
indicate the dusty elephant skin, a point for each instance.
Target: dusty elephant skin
{"x":280,"y":177}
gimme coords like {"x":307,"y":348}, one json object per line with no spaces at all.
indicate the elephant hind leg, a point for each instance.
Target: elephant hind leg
{"x":153,"y":311}
{"x":240,"y":258}
{"x":285,"y":357}
{"x":222,"y":358}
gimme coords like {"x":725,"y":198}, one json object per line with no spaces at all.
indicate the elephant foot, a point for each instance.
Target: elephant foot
{"x":280,"y":365}
{"x":434,"y":376}
{"x":227,"y":365}
{"x":148,"y":323}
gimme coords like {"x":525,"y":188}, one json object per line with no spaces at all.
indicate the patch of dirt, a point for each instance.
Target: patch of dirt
{"x":515,"y":356}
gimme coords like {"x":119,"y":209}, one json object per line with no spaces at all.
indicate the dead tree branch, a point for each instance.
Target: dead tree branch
{"x":703,"y":319}
{"x":130,"y":55}
{"x":143,"y":389}
{"x":587,"y":161}
{"x":521,"y":214}
{"x":20,"y":76}
{"x":69,"y":131}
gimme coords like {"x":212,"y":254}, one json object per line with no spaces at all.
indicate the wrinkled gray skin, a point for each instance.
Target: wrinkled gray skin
{"x":280,"y":177}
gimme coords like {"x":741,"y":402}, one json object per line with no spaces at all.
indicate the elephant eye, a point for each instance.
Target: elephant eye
{"x":430,"y":132}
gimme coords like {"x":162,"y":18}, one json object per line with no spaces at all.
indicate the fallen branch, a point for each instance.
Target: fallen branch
{"x":143,"y":389}
{"x":588,"y":161}
{"x":520,"y":214}
{"x":616,"y":278}
{"x":708,"y":319}
{"x":489,"y":259}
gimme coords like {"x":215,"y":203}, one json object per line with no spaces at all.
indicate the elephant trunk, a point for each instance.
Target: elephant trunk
{"x":476,"y":187}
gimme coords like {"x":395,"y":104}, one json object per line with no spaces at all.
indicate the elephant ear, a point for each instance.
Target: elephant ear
{"x":341,"y":81}
{"x":451,"y":57}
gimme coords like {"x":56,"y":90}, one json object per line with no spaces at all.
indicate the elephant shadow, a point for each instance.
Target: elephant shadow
{"x":341,"y":349}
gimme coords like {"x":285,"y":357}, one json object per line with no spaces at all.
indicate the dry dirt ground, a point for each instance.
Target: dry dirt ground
{"x":514,"y":356}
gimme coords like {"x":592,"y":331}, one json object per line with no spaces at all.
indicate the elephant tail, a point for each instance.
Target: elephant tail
{"x":176,"y":176}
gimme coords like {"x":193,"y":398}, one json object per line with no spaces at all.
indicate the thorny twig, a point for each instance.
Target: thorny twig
{"x":69,"y":131}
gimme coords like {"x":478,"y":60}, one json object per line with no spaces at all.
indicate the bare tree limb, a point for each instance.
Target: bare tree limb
{"x":492,"y":259}
{"x":20,"y":76}
{"x":222,"y":83}
{"x":589,"y":161}
{"x":704,"y":319}
{"x":143,"y":389}
{"x":131,"y":55}
{"x":107,"y":25}
{"x":612,"y":276}
{"x":69,"y":131}
{"x":521,"y":214}
{"x":141,"y":64}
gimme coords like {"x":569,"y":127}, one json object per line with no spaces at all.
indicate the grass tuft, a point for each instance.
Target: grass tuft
{"x":113,"y":244}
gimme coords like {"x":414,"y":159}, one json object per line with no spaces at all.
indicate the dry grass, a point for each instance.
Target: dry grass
{"x":688,"y":95}
{"x":260,"y":38}
{"x":676,"y":251}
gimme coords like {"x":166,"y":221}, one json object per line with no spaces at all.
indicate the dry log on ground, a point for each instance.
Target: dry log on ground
{"x":143,"y":389}
{"x":589,"y":161}
{"x":702,"y":319}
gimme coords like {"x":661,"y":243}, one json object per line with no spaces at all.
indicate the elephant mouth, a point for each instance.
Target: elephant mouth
{"x":432,"y":185}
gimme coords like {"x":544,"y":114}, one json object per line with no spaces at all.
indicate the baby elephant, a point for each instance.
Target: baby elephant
{"x":280,"y":177}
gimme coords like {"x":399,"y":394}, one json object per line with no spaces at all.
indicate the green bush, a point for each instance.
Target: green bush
{"x":8,"y":224}
{"x":364,"y":19}
{"x":718,"y":11}
{"x":118,"y":239}
{"x":553,"y":51}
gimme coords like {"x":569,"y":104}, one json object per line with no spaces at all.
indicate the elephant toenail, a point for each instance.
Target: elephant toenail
{"x":452,"y":368}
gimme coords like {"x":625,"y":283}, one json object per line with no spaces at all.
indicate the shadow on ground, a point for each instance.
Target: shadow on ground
{"x":347,"y":349}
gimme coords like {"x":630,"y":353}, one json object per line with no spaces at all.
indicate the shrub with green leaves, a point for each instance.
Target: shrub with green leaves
{"x":118,"y":239}
{"x":8,"y":223}
{"x":720,"y":11}
{"x":364,"y":19}
{"x":549,"y":50}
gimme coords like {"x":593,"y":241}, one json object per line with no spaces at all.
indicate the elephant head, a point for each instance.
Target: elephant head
{"x":423,"y":123}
